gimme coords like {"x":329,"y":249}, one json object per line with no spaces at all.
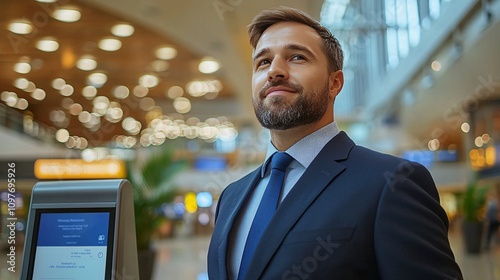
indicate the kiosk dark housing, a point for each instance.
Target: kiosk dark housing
{"x":81,"y":230}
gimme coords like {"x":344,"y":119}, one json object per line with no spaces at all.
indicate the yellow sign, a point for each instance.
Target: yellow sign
{"x":190,"y":202}
{"x":79,"y":169}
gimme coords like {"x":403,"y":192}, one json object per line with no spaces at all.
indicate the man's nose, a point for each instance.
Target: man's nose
{"x":277,"y":70}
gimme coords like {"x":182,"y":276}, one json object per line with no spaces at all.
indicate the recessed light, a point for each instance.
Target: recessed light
{"x":122,"y":30}
{"x":208,"y":66}
{"x":166,"y":52}
{"x":47,"y":44}
{"x":22,"y":67}
{"x":436,"y":65}
{"x":148,"y":80}
{"x":110,"y":44}
{"x":67,"y":90}
{"x":121,"y":92}
{"x":89,"y":92}
{"x":97,"y":79}
{"x":182,"y":105}
{"x":30,"y":88}
{"x":21,"y":104}
{"x":20,"y":26}
{"x":174,"y":92}
{"x":140,"y":91}
{"x":58,"y":83}
{"x":10,"y":98}
{"x":38,"y":94}
{"x":67,"y":14}
{"x":62,"y":135}
{"x":21,"y":83}
{"x":86,"y":63}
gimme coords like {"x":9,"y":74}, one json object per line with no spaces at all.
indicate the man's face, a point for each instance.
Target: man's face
{"x":290,"y":81}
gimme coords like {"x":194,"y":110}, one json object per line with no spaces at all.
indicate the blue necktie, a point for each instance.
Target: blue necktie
{"x":267,"y":207}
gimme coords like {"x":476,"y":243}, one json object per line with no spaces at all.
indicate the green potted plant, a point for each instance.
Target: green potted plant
{"x":473,"y":208}
{"x":152,"y":185}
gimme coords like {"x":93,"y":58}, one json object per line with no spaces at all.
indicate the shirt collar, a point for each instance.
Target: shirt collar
{"x":312,"y":143}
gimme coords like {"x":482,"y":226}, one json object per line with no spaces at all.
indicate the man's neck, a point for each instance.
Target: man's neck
{"x":284,"y":139}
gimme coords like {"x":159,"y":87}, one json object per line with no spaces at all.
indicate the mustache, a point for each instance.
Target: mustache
{"x":294,"y":86}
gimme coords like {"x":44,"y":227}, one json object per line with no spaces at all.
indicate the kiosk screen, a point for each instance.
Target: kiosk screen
{"x":73,"y":244}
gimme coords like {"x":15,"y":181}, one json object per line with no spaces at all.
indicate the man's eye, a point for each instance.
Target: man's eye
{"x":298,"y":57}
{"x":264,"y":62}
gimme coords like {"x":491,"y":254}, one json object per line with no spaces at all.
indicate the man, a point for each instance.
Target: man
{"x":345,"y":212}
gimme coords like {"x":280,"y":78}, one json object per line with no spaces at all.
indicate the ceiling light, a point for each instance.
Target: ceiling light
{"x":10,"y":98}
{"x":89,"y":92}
{"x":201,"y":88}
{"x":122,"y":30}
{"x":22,"y":104}
{"x":131,"y":125}
{"x":67,"y":14}
{"x":149,"y":81}
{"x":46,"y":1}
{"x":21,"y":83}
{"x":58,"y":83}
{"x":67,"y":90}
{"x":174,"y":92}
{"x":38,"y":94}
{"x":57,"y":116}
{"x":166,"y":53}
{"x":86,"y":63}
{"x":433,"y":144}
{"x":62,"y":135}
{"x":30,"y":88}
{"x":84,"y":117}
{"x":114,"y":114}
{"x":140,"y":91}
{"x":110,"y":44}
{"x":101,"y":102}
{"x":22,"y":67}
{"x":182,"y":105}
{"x":436,"y":65}
{"x":20,"y":26}
{"x":47,"y":44}
{"x":208,"y":66}
{"x":478,"y":142}
{"x":121,"y":92}
{"x":97,"y":79}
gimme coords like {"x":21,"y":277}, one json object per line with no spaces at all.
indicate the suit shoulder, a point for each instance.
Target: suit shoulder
{"x":243,"y":181}
{"x":375,"y":158}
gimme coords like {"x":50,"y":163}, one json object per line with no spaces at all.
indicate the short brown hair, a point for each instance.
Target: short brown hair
{"x":266,"y":18}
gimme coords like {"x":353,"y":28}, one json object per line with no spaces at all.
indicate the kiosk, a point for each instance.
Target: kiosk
{"x":81,"y":230}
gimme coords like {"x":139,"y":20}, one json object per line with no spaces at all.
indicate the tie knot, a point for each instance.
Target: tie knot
{"x":280,"y":161}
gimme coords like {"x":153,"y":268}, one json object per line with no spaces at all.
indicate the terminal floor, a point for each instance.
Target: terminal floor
{"x":184,"y":258}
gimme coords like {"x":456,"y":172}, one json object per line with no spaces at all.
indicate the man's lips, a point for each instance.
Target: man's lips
{"x":278,"y":90}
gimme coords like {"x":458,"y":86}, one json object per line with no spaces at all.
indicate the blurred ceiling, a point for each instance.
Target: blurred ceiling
{"x":197,"y":29}
{"x":55,"y":92}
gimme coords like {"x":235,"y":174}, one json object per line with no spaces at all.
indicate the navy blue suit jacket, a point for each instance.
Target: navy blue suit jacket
{"x":354,"y":214}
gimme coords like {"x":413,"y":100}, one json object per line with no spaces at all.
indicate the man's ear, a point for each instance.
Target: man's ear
{"x":336,"y":82}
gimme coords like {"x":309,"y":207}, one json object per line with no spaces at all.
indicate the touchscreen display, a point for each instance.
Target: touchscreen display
{"x":72,"y":245}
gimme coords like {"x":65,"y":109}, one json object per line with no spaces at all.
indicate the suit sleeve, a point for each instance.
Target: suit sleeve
{"x":411,"y":228}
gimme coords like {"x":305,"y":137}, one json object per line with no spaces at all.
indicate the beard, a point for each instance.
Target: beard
{"x":280,"y":114}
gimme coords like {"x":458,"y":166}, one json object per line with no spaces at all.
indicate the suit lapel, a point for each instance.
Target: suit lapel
{"x":318,"y":175}
{"x":247,"y":184}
